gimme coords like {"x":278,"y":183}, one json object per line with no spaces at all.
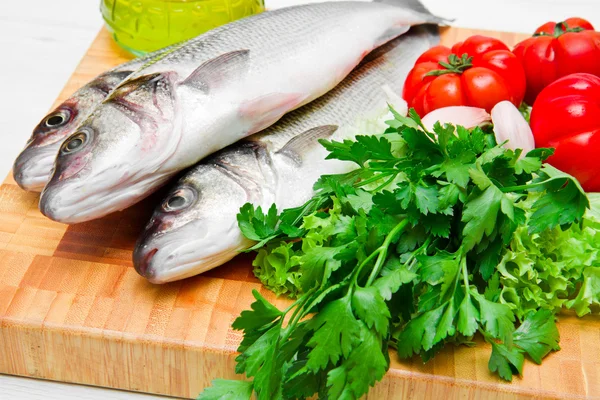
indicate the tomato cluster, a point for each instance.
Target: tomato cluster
{"x":479,"y":72}
{"x":557,"y":70}
{"x":556,"y":50}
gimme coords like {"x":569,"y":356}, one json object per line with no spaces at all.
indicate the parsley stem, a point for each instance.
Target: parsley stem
{"x":298,"y":301}
{"x":322,"y":296}
{"x":418,"y":251}
{"x":393,"y":170}
{"x":301,"y":311}
{"x":297,"y":311}
{"x":384,"y":184}
{"x":360,"y":267}
{"x":296,"y":315}
{"x":309,"y":207}
{"x":383,"y":250}
{"x":374,"y":179}
{"x":488,"y":338}
{"x":463,"y":266}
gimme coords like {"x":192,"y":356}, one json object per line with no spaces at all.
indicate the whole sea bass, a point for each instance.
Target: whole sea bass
{"x":195,"y":227}
{"x":210,"y":92}
{"x":32,"y":168}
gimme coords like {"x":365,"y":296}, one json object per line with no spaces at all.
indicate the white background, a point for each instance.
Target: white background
{"x":42,"y":41}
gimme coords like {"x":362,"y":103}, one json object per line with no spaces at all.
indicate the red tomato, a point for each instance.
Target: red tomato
{"x":478,"y":72}
{"x":575,"y":22}
{"x":557,"y":50}
{"x":478,"y":45}
{"x":434,"y":54}
{"x":566,"y":116}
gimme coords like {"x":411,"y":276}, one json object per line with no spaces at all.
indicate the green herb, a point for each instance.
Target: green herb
{"x":525,"y":110}
{"x":436,"y":237}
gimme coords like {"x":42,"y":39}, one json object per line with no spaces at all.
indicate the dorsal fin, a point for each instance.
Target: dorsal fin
{"x":219,"y":70}
{"x":297,"y":146}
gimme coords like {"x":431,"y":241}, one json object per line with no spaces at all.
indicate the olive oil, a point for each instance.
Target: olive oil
{"x":141,"y":26}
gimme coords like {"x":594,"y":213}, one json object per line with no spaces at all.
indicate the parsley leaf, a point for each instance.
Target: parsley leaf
{"x":468,"y":317}
{"x":360,"y":150}
{"x":390,"y":282}
{"x":537,"y":335}
{"x":255,"y":356}
{"x":419,"y":333}
{"x":480,"y":215}
{"x":498,"y":319}
{"x":262,"y":314}
{"x":441,"y":268}
{"x":505,"y":361}
{"x":369,"y":306}
{"x":564,"y":203}
{"x":362,"y":369}
{"x":336,"y":334}
{"x":254,"y":224}
{"x":223,"y":389}
{"x":436,"y":236}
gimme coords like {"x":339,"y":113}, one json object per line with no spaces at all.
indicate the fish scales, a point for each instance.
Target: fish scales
{"x":207,"y":94}
{"x":301,"y":24}
{"x":359,"y":91}
{"x":195,"y":228}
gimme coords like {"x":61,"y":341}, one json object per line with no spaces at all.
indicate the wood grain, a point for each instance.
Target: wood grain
{"x":73,"y":309}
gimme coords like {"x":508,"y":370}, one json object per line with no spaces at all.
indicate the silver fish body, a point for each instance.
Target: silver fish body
{"x":195,"y":227}
{"x":216,"y":89}
{"x":33,"y":167}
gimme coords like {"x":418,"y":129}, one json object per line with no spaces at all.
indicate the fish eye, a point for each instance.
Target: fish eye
{"x":57,"y":119}
{"x":175,"y":202}
{"x":180,"y":199}
{"x":75,"y":142}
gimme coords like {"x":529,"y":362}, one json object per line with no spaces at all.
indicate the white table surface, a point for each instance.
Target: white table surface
{"x":42,"y":41}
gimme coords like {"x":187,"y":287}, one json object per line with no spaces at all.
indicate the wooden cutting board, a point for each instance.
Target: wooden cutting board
{"x":73,"y":309}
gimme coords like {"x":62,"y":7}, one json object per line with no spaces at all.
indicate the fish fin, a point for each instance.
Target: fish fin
{"x":391,"y":33}
{"x":120,"y":75}
{"x":414,"y":5}
{"x":219,"y":70}
{"x":428,"y":32}
{"x":295,"y":148}
{"x":265,"y":110}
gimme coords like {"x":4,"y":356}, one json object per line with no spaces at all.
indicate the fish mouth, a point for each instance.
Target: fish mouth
{"x":142,"y":262}
{"x":33,"y":167}
{"x":186,"y":251}
{"x":72,"y":201}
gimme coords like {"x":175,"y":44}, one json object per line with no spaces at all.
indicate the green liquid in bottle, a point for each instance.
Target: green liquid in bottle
{"x":141,"y":26}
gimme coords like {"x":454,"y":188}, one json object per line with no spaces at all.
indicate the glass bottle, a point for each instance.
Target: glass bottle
{"x":141,"y":26}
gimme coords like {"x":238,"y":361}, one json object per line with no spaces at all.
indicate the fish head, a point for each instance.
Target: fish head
{"x":195,"y":228}
{"x":108,"y":163}
{"x":33,"y":167}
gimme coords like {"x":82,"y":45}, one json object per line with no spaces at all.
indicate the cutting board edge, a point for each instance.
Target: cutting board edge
{"x":50,"y":355}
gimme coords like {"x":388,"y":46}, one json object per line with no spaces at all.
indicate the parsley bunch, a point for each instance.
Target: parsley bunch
{"x":412,"y":251}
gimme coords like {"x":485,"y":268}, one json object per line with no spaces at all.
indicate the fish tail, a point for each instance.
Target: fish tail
{"x":417,"y":6}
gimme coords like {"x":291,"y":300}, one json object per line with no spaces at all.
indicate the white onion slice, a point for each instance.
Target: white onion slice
{"x":509,"y":124}
{"x":469,"y":117}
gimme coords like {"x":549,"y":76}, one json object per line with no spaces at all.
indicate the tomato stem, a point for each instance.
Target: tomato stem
{"x":560,"y":29}
{"x":455,"y":65}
